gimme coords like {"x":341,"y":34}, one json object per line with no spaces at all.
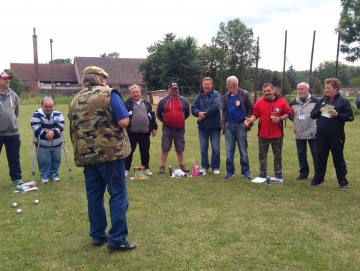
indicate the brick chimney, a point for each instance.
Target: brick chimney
{"x":36,"y":62}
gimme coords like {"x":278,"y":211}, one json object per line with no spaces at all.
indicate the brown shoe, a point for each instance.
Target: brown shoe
{"x":184,"y":168}
{"x":162,"y":169}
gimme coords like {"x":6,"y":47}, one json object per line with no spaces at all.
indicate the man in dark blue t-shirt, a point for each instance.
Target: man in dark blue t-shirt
{"x":236,"y":106}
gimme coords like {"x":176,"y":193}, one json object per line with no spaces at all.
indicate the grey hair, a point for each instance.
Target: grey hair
{"x":134,"y":86}
{"x":92,"y":78}
{"x":46,"y":99}
{"x":303,"y":83}
{"x":233,"y":79}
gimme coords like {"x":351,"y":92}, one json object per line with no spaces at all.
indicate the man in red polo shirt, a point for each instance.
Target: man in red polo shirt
{"x":172,"y":111}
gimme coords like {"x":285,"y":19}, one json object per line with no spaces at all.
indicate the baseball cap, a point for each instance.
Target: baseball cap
{"x":95,"y":70}
{"x":173,"y":85}
{"x":5,"y":75}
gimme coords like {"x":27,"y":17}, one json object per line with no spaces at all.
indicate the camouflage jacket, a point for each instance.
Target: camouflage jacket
{"x":94,"y":133}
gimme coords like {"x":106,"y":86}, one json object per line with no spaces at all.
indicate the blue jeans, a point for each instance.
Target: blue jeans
{"x":236,"y":133}
{"x":214,"y":137}
{"x":49,"y":160}
{"x":12,"y":146}
{"x":98,"y":177}
{"x":302,"y":155}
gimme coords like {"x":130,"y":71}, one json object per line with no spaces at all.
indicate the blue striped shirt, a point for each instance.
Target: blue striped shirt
{"x":40,"y":123}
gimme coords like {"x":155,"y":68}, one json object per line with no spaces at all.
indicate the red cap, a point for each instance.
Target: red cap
{"x":5,"y":75}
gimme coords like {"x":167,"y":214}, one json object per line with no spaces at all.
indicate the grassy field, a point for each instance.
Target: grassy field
{"x":205,"y":223}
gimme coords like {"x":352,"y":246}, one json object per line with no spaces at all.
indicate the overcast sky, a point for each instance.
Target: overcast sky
{"x":90,"y":28}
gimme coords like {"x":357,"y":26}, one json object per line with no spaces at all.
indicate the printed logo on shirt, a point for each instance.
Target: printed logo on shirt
{"x":237,"y":103}
{"x":277,"y":109}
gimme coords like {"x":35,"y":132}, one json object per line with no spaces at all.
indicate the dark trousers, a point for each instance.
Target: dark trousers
{"x":276,"y":145}
{"x":12,"y":146}
{"x":144,"y":146}
{"x":334,"y":142}
{"x":302,"y":155}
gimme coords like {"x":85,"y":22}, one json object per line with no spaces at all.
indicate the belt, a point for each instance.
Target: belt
{"x":237,"y":122}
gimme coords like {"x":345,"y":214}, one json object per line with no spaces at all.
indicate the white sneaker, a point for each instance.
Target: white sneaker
{"x":126,"y":173}
{"x":216,"y":172}
{"x":203,"y":170}
{"x":55,"y":178}
{"x":148,"y":172}
{"x":43,"y":181}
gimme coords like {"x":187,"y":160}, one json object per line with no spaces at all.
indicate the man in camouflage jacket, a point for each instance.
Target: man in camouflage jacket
{"x":98,"y":120}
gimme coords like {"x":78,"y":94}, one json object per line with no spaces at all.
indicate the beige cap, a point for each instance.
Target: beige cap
{"x":95,"y":70}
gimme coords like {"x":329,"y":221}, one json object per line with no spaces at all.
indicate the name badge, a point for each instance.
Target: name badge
{"x":301,"y":117}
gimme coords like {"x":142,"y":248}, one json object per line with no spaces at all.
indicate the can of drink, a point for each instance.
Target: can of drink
{"x":170,"y":170}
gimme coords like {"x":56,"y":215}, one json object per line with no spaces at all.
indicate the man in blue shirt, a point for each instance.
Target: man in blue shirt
{"x":236,"y":106}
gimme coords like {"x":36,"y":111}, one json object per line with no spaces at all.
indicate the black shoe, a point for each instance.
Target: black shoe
{"x":100,"y":243}
{"x":313,"y":183}
{"x":344,"y":187}
{"x":122,"y":248}
{"x":301,"y":177}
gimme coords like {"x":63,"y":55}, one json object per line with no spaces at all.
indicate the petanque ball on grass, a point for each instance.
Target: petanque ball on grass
{"x":18,"y":211}
{"x":36,"y":201}
{"x":14,"y":205}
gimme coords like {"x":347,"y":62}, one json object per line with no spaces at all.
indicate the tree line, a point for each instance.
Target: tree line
{"x":234,"y":51}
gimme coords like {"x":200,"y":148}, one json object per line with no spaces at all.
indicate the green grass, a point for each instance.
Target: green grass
{"x":205,"y":223}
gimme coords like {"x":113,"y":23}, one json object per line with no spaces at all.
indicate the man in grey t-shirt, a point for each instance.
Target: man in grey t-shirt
{"x":142,"y":124}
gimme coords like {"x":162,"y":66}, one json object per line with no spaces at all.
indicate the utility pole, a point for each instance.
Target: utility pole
{"x":52,"y":72}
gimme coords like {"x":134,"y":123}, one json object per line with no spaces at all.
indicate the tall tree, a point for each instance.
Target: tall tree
{"x":15,"y":82}
{"x":210,"y":56}
{"x":349,"y":29}
{"x":172,"y":60}
{"x":60,"y":61}
{"x":231,"y":37}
